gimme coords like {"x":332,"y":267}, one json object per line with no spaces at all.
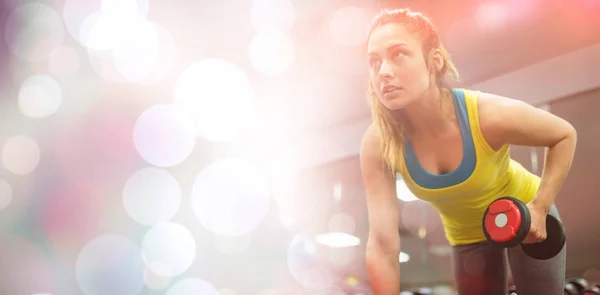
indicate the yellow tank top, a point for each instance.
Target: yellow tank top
{"x":484,"y":175}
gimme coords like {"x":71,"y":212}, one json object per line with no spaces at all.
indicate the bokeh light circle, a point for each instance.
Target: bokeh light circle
{"x":272,"y":14}
{"x":271,"y":52}
{"x":230,"y":197}
{"x":348,"y":26}
{"x":40,"y":96}
{"x":110,"y":264}
{"x":219,"y":96}
{"x":21,"y":155}
{"x":168,"y":249}
{"x":151,"y":196}
{"x":34,"y":31}
{"x":164,"y":135}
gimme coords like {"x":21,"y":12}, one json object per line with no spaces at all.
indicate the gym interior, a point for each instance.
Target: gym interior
{"x":212,"y":147}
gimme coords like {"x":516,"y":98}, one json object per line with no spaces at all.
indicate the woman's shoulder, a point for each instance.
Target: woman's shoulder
{"x":371,"y":140}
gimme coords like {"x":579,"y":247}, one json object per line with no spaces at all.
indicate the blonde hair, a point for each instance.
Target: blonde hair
{"x":391,"y":126}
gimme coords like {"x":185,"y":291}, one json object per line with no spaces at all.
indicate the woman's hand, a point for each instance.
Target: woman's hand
{"x":537,"y":232}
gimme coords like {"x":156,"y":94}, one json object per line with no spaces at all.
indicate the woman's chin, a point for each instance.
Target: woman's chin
{"x":395,"y":103}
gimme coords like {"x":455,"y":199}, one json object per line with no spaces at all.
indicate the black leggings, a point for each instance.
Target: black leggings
{"x":482,"y":269}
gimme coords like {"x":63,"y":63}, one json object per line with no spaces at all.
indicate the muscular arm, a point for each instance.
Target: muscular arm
{"x":510,"y":121}
{"x":383,"y":245}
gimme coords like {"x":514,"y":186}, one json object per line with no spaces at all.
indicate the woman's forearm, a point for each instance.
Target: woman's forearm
{"x":383,"y":268}
{"x":558,"y":163}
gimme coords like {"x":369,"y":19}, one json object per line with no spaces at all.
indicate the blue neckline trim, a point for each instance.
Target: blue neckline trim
{"x":429,"y":180}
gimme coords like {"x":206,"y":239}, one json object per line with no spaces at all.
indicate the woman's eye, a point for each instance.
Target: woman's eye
{"x":399,"y":54}
{"x":374,"y":62}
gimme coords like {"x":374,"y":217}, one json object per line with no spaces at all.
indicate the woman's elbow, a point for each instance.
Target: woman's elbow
{"x":383,"y":244}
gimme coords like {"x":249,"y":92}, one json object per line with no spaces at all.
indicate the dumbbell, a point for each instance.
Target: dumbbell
{"x":576,"y":286}
{"x":593,"y":290}
{"x":507,"y":221}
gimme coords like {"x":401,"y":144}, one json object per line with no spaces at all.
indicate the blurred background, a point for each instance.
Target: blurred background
{"x":211,"y":147}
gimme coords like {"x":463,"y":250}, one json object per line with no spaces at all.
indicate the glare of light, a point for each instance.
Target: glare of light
{"x":231,"y":197}
{"x":137,"y":52}
{"x":34,"y":31}
{"x":265,"y":136}
{"x":337,"y":191}
{"x":285,"y":219}
{"x":422,"y":233}
{"x":491,"y":15}
{"x":219,"y":96}
{"x":348,"y":26}
{"x":166,"y":59}
{"x":271,"y":52}
{"x":272,"y":14}
{"x":125,"y":8}
{"x":21,"y":155}
{"x":164,"y":135}
{"x":403,"y":257}
{"x":74,"y":14}
{"x":168,"y":259}
{"x":99,"y":32}
{"x":283,"y":172}
{"x":6,"y":194}
{"x":337,"y":240}
{"x":192,"y":286}
{"x":151,"y":196}
{"x":110,"y":264}
{"x":110,"y":26}
{"x":103,"y":64}
{"x":444,"y":289}
{"x":40,"y":96}
{"x":122,"y":47}
{"x":64,"y":62}
{"x":440,"y":250}
{"x":352,"y":281}
{"x":402,"y":191}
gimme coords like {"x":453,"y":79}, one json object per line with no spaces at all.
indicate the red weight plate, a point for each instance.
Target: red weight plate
{"x":508,"y":231}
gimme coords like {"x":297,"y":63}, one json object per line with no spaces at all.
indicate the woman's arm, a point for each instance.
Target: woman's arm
{"x":510,"y":121}
{"x":383,"y":244}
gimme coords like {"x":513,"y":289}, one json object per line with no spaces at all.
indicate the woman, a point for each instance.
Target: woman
{"x":451,"y":147}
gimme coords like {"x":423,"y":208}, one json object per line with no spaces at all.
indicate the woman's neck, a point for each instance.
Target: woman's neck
{"x":431,"y":114}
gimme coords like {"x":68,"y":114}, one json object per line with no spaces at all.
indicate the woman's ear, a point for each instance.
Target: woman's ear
{"x":436,"y":61}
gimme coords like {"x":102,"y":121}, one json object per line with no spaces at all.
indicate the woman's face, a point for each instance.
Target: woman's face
{"x":397,"y":67}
